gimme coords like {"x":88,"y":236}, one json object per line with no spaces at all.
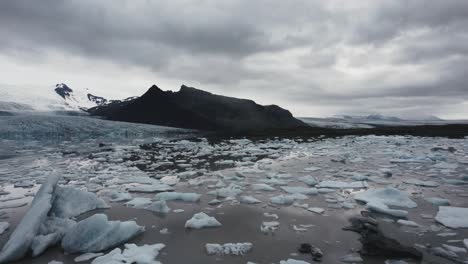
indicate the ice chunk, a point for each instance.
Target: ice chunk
{"x":317,"y":210}
{"x":407,"y":223}
{"x":421,"y":183}
{"x":275,"y":216}
{"x":268,"y":227}
{"x":132,"y":253}
{"x":116,"y":196}
{"x":87,"y":256}
{"x":453,"y":217}
{"x":139,"y":202}
{"x":228,"y":248}
{"x":202,"y":220}
{"x":380,"y":207}
{"x":169,"y":196}
{"x":293,"y":261}
{"x":388,"y":196}
{"x":12,"y":204}
{"x":96,"y":233}
{"x":437,"y":201}
{"x":230,"y":191}
{"x":262,"y":187}
{"x":155,"y":187}
{"x":3,"y":227}
{"x":55,"y":262}
{"x":287,"y":199}
{"x":343,"y":185}
{"x":302,"y":190}
{"x":159,"y":207}
{"x":458,"y":250}
{"x":310,"y":169}
{"x":465,"y":242}
{"x":249,"y":200}
{"x":309,"y":180}
{"x":71,"y":202}
{"x":23,"y":236}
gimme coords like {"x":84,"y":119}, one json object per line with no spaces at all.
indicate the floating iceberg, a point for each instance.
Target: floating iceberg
{"x":202,"y":220}
{"x":71,"y":202}
{"x":169,"y":196}
{"x":96,"y":233}
{"x":159,"y":207}
{"x":228,"y":248}
{"x":453,"y":217}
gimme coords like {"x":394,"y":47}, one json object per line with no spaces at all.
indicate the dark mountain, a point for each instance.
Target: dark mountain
{"x":197,"y":109}
{"x":98,"y":100}
{"x":63,"y":90}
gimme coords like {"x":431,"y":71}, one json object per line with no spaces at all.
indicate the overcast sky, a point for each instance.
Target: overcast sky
{"x":315,"y":58}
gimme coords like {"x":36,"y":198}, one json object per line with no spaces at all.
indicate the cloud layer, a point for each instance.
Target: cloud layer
{"x":314,"y":57}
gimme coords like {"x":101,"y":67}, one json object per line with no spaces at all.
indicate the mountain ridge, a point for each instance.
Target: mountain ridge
{"x":197,"y":109}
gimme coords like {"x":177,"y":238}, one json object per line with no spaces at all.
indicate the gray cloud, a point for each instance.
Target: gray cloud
{"x":335,"y":54}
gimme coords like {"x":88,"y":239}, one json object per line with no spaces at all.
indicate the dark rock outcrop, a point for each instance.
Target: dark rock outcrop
{"x":98,"y":100}
{"x":197,"y":109}
{"x":375,"y":241}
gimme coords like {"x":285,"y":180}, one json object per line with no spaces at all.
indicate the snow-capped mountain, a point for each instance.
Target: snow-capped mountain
{"x":78,"y":99}
{"x":58,"y":98}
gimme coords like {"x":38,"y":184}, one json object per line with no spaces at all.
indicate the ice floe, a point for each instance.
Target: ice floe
{"x":229,"y":248}
{"x":453,"y":217}
{"x":202,"y":220}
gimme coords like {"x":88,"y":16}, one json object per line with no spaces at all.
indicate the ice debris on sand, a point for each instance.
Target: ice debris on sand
{"x":23,"y":236}
{"x":132,"y":253}
{"x":228,"y":248}
{"x":202,"y":220}
{"x":453,"y":217}
{"x":97,"y":233}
